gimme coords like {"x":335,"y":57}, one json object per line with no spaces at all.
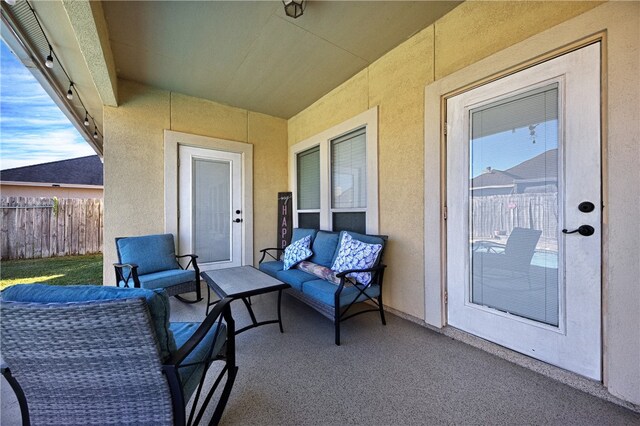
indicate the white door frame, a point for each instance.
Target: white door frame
{"x":172,"y":140}
{"x":522,"y":55}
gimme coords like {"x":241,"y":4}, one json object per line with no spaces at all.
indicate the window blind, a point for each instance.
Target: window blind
{"x":349,"y":171}
{"x":530,"y":108}
{"x":309,"y":179}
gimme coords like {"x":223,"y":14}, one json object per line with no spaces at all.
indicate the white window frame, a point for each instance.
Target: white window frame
{"x":368,"y":120}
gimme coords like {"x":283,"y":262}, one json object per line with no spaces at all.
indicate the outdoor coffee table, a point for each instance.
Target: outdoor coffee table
{"x":242,"y":282}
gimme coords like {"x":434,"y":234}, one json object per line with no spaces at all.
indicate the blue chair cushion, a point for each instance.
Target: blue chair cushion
{"x":324,"y":292}
{"x":299,"y":233}
{"x":164,"y":279}
{"x":190,"y":375}
{"x":324,"y":248}
{"x":152,"y":253}
{"x":157,"y":302}
{"x":272,"y":267}
{"x":295,"y":277}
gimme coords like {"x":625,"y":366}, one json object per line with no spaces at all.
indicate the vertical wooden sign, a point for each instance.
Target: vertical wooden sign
{"x":285,"y":219}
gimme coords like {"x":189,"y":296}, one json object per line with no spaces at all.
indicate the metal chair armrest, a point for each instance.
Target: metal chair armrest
{"x":220,"y":310}
{"x":193,"y":256}
{"x":350,"y":271}
{"x":126,"y":265}
{"x":133,"y":274}
{"x":265,"y":252}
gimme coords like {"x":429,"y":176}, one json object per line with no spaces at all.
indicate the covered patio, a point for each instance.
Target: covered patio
{"x":158,"y":85}
{"x":399,"y":374}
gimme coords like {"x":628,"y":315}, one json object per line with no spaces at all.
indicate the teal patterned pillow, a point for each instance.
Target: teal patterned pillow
{"x":354,"y":254}
{"x":297,"y":252}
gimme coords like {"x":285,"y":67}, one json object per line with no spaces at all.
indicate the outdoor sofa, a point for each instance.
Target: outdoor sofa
{"x":356,"y":277}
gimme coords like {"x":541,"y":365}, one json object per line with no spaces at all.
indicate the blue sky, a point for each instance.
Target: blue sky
{"x":33,"y":130}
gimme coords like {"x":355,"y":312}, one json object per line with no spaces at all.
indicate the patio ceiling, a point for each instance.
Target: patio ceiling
{"x":246,"y":54}
{"x":250,"y":54}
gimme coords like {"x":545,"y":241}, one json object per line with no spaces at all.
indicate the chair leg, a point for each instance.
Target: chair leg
{"x":224,"y":397}
{"x":384,"y":322}
{"x":198,"y":295}
{"x":336,"y":325}
{"x":17,"y":389}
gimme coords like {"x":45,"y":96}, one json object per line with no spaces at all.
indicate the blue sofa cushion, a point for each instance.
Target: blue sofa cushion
{"x":157,"y":302}
{"x":324,"y":248}
{"x":297,"y":251}
{"x":152,"y":253}
{"x":164,"y":279}
{"x":299,"y":233}
{"x":324,"y":292}
{"x":272,"y":267}
{"x":295,"y":277}
{"x":354,"y":254}
{"x":190,"y":375}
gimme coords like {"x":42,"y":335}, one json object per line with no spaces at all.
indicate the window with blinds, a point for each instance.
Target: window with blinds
{"x":349,"y":181}
{"x":335,"y":177}
{"x":308,"y":188}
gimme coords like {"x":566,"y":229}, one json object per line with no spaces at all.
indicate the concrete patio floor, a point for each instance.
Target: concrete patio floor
{"x":399,"y":374}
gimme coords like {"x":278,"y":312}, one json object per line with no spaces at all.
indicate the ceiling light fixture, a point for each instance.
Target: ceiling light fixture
{"x":70,"y":92}
{"x":49,"y":61}
{"x":294,"y":8}
{"x":95,"y":134}
{"x":10,"y":2}
{"x":86,"y":119}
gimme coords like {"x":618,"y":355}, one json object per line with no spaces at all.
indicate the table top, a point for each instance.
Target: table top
{"x":241,"y":281}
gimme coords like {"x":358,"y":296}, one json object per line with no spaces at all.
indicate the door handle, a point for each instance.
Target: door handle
{"x":238,"y":220}
{"x":584,"y":230}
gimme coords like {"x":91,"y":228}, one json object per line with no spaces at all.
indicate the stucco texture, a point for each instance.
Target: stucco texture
{"x":133,"y":167}
{"x":476,"y":29}
{"x":134,"y":159}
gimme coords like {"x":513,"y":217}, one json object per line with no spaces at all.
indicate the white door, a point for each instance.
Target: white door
{"x":210,"y":218}
{"x":523,"y":164}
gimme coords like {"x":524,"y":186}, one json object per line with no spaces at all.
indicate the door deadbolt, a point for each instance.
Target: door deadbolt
{"x":586,"y":207}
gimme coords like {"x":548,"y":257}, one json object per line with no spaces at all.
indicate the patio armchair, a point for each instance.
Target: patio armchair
{"x":150,"y":262}
{"x":506,"y":262}
{"x":98,"y":355}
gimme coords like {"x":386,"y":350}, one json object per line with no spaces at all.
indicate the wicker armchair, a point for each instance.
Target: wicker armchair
{"x":109,"y":356}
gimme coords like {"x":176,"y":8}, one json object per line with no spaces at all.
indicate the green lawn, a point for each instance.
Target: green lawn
{"x":67,"y":270}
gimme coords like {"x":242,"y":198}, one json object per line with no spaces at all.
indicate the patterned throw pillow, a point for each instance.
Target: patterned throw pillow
{"x":354,"y":254}
{"x":297,"y":252}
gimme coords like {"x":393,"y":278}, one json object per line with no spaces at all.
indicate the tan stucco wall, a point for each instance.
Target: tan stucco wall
{"x":134,"y":159}
{"x":49,"y":191}
{"x":396,"y":84}
{"x":468,"y":34}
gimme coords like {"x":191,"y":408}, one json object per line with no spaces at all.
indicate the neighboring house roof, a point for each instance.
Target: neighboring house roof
{"x":76,"y":171}
{"x":540,"y":167}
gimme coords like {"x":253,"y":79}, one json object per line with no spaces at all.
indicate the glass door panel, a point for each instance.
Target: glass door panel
{"x":513,"y":205}
{"x":211,"y":204}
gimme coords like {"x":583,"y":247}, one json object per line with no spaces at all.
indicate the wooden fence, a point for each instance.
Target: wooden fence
{"x":502,"y":213}
{"x":46,"y":227}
